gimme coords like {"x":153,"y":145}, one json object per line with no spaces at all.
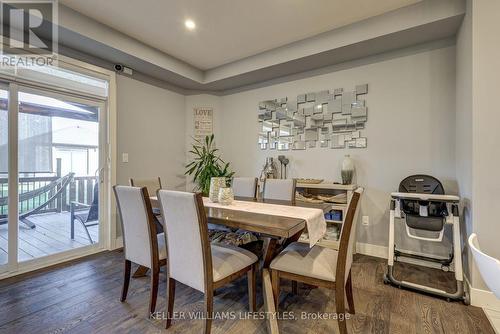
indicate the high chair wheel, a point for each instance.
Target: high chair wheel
{"x":466,"y":299}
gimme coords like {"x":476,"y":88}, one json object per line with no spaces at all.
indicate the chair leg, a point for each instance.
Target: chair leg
{"x":295,"y":288}
{"x":251,"y":276}
{"x":72,"y":229}
{"x":349,"y":294}
{"x":209,"y":309}
{"x":275,"y":281}
{"x":88,"y":233}
{"x":126,"y":280}
{"x":340,"y":307}
{"x":170,"y":300}
{"x":155,"y":275}
{"x":141,"y":271}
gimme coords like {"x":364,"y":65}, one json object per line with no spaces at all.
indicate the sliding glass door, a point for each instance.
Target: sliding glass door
{"x":59,"y":173}
{"x":52,"y":164}
{"x":4,"y":176}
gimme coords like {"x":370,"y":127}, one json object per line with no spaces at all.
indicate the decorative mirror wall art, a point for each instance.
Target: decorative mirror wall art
{"x":317,"y":119}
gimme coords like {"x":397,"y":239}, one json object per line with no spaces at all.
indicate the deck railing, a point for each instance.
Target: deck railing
{"x":80,"y":190}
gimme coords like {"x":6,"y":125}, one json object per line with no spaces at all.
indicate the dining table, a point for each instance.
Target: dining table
{"x":273,"y":228}
{"x":277,"y":230}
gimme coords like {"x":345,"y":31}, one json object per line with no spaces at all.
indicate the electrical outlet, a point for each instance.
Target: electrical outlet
{"x":124,"y":157}
{"x":366,"y":220}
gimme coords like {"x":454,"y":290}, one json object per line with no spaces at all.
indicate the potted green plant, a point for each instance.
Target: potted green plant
{"x":206,"y":164}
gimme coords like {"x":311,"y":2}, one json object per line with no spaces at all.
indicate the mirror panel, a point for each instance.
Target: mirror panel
{"x":314,"y":119}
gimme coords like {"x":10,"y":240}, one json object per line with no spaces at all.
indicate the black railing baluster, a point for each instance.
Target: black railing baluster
{"x":81,"y":189}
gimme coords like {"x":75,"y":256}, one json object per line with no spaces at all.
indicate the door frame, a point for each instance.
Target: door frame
{"x":107,"y":160}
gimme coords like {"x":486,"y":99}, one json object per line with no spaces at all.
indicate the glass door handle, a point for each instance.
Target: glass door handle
{"x":101,"y":175}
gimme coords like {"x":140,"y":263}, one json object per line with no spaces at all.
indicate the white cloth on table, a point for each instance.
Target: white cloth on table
{"x":314,"y":218}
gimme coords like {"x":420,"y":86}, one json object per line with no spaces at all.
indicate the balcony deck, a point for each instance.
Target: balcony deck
{"x":51,"y":236}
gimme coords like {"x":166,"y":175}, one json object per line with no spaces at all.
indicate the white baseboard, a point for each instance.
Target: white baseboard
{"x":372,"y":250}
{"x":494,"y":318}
{"x":118,"y":242}
{"x":485,"y":299}
{"x":490,"y":305}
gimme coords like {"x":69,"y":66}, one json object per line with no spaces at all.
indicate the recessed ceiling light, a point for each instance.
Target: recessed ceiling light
{"x":190,"y":24}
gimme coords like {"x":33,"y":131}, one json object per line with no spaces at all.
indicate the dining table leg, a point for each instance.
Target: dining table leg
{"x":271,"y":247}
{"x":269,"y":306}
{"x":269,"y":252}
{"x":141,"y":271}
{"x":293,"y":238}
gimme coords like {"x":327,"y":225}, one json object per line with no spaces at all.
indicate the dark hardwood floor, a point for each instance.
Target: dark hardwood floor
{"x":83,"y":297}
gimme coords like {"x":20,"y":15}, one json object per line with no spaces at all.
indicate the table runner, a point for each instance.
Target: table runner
{"x":315,"y":219}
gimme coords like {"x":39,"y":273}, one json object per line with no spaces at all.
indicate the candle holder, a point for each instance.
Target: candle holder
{"x":226,"y":195}
{"x":215,"y":184}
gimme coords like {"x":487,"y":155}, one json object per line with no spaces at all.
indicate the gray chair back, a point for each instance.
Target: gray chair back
{"x":279,"y":189}
{"x":188,"y":248}
{"x":138,"y":228}
{"x":245,"y":187}
{"x":153,"y":184}
{"x":348,"y":237}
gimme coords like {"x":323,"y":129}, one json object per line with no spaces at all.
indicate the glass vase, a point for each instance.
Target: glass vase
{"x":215,"y":184}
{"x":226,"y":196}
{"x":347,"y":171}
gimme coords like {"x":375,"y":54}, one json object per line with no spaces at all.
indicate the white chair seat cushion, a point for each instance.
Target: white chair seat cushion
{"x":297,"y":258}
{"x":227,"y":260}
{"x":162,"y":249}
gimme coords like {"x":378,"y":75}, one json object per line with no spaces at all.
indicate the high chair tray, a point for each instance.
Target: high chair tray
{"x":425,"y":197}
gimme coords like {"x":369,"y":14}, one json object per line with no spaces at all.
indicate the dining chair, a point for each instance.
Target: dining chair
{"x":195,"y":262}
{"x":142,"y":245}
{"x":86,"y":215}
{"x":245,"y":187}
{"x":152,"y":185}
{"x":488,"y":266}
{"x":322,"y":266}
{"x":279,"y":189}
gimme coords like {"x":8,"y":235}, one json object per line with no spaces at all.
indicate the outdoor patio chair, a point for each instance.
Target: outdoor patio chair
{"x":87,"y":215}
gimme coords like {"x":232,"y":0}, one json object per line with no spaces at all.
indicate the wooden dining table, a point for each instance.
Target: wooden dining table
{"x":273,"y":228}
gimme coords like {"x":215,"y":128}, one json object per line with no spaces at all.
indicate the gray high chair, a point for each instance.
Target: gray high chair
{"x":425,"y":209}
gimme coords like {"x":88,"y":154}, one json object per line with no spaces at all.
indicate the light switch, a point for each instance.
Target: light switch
{"x":124,"y":157}
{"x":366,"y":220}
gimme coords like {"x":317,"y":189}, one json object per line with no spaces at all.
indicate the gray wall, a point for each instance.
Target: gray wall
{"x":410,"y":128}
{"x":463,"y":135}
{"x":485,"y":121}
{"x":200,"y":101}
{"x":150,"y":128}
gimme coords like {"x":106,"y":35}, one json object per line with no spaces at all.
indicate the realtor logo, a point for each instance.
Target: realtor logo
{"x":28,"y":30}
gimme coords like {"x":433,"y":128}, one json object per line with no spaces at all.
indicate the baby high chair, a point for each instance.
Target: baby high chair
{"x":425,"y":210}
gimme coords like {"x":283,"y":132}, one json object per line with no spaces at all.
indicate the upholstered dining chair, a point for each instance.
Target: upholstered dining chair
{"x":152,"y":185}
{"x":142,"y":245}
{"x":193,"y":261}
{"x":279,"y":189}
{"x":322,"y":266}
{"x":245,"y":187}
